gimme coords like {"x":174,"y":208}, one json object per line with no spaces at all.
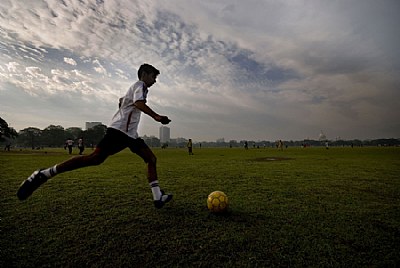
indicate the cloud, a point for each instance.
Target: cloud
{"x":99,"y":68}
{"x":12,"y":67}
{"x":254,"y":69}
{"x":70,"y":61}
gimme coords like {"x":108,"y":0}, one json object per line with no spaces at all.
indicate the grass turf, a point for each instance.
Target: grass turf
{"x":297,"y":207}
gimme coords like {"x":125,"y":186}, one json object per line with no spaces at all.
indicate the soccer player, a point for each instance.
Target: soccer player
{"x":121,"y":133}
{"x":81,"y":145}
{"x":190,"y":147}
{"x":69,"y":144}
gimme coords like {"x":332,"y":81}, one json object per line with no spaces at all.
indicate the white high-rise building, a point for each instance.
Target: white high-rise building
{"x":164,"y":134}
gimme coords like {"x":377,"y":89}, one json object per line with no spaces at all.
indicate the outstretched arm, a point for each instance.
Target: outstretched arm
{"x":141,"y":105}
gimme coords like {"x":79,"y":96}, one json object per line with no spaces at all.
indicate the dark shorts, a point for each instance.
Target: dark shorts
{"x":115,"y":141}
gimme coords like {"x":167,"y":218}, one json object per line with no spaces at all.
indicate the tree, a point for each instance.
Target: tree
{"x":53,"y":136}
{"x":74,"y":132}
{"x":6,"y":131}
{"x":152,"y":141}
{"x":30,"y":137}
{"x":95,"y":134}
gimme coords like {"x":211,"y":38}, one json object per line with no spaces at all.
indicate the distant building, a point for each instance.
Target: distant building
{"x":92,"y":124}
{"x":164,"y":134}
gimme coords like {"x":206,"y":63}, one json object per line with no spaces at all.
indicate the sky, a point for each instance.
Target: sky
{"x":238,"y":70}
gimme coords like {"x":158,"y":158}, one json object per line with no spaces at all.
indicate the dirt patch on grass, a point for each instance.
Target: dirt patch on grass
{"x":270,"y":159}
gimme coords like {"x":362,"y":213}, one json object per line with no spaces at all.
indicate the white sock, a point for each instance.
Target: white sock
{"x":50,"y":172}
{"x":155,"y":189}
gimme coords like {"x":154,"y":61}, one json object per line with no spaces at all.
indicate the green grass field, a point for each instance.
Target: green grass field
{"x":298,"y":207}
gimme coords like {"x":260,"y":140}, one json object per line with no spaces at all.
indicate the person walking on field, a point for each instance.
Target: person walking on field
{"x":69,"y":143}
{"x":280,"y":145}
{"x":81,"y":146}
{"x":121,"y":133}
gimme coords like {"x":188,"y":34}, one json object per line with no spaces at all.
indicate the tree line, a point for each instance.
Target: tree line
{"x":51,"y":136}
{"x":55,"y":136}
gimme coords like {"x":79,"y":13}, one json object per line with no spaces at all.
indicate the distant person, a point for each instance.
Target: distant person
{"x":121,"y":133}
{"x":69,"y":143}
{"x":280,"y":145}
{"x":81,"y":146}
{"x":246,"y":145}
{"x":190,"y":147}
{"x":7,"y":146}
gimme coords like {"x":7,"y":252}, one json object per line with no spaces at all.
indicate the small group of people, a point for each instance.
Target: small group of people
{"x":69,"y":143}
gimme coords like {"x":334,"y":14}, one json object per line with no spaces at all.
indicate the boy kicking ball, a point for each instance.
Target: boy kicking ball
{"x":121,"y":133}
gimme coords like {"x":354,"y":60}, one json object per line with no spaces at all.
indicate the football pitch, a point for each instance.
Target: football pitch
{"x":300,"y":207}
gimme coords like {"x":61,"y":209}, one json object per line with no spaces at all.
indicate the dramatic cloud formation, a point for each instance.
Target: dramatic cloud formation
{"x":258,"y":69}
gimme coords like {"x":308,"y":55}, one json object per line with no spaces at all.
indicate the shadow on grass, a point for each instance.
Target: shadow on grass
{"x":201,"y":214}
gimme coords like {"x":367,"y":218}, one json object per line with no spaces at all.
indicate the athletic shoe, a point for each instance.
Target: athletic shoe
{"x":31,"y":184}
{"x":165,"y":198}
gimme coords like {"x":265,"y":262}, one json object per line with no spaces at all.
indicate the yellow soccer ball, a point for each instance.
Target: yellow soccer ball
{"x":217,"y":202}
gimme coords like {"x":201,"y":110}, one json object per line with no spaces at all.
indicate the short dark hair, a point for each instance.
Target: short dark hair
{"x":147,"y":68}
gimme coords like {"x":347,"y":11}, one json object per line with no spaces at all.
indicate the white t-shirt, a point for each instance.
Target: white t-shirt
{"x":128,"y":115}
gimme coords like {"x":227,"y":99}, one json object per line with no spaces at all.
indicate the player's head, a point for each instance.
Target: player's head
{"x":148,"y":74}
{"x":147,"y":68}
